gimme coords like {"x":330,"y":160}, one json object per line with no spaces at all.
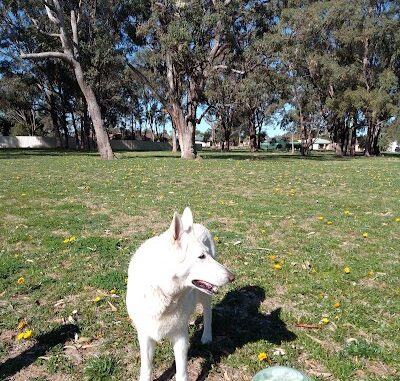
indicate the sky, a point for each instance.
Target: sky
{"x":272,"y":129}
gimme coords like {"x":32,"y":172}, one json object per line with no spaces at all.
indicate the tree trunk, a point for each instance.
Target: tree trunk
{"x":54,"y":118}
{"x":185,"y":132}
{"x":174,"y":147}
{"x":304,"y":135}
{"x":103,"y":141}
{"x":77,"y":142}
{"x":252,"y":132}
{"x":353,"y":139}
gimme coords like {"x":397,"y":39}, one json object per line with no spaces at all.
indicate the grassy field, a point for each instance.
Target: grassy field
{"x":314,"y":244}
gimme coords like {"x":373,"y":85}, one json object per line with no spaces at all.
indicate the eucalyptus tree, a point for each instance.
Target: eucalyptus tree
{"x":187,"y":42}
{"x":341,"y":57}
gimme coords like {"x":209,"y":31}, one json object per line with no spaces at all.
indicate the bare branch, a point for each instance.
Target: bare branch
{"x":44,"y":55}
{"x":52,"y":15}
{"x":204,"y":113}
{"x":225,"y":67}
{"x":75,"y":40}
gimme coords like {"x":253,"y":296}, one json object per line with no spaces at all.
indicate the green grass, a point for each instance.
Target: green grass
{"x":308,"y":215}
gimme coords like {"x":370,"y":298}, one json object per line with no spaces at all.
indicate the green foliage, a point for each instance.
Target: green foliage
{"x":100,"y":368}
{"x":362,"y":348}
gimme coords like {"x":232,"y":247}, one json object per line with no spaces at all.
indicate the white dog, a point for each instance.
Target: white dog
{"x":167,"y":276}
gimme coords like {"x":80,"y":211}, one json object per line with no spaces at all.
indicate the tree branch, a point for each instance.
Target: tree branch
{"x":204,"y":113}
{"x":142,"y":78}
{"x":44,"y":55}
{"x":36,"y":23}
{"x":50,"y":14}
{"x":75,"y":39}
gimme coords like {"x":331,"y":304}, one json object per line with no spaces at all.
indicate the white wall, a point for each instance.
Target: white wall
{"x":41,"y":142}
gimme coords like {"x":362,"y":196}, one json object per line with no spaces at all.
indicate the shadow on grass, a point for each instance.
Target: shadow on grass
{"x":43,"y":344}
{"x":236,"y":322}
{"x":329,"y":156}
{"x":26,"y":153}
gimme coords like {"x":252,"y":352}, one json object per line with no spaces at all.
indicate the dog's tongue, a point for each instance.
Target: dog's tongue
{"x":206,"y":286}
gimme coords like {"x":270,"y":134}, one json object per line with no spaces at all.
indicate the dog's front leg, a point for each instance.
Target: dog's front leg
{"x":181,"y":345}
{"x":147,"y":346}
{"x":205,"y":300}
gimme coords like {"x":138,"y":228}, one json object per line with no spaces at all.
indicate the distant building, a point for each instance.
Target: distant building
{"x":199,"y":141}
{"x":322,"y":145}
{"x":394,"y":146}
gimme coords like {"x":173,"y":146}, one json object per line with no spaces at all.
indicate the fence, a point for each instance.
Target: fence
{"x":42,"y":142}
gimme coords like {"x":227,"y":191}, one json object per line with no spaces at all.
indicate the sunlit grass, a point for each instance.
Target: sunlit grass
{"x":290,"y":228}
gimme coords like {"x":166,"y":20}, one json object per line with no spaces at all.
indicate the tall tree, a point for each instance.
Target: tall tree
{"x":189,"y":41}
{"x":56,"y":13}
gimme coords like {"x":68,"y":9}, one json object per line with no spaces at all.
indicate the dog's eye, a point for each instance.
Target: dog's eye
{"x":202,"y":256}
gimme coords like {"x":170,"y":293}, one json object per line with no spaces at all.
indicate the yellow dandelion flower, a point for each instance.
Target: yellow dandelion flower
{"x":365,"y":235}
{"x":216,"y":238}
{"x":25,"y":335}
{"x":113,"y":291}
{"x":66,"y":240}
{"x":321,"y":218}
{"x":347,"y":270}
{"x":28,"y":334}
{"x":324,"y":321}
{"x":277,"y":266}
{"x":21,"y":280}
{"x":329,"y":222}
{"x":21,"y":324}
{"x":347,"y":212}
{"x":97,"y":299}
{"x":371,"y":273}
{"x":398,"y":219}
{"x":262,"y":356}
{"x":272,"y":257}
{"x":71,"y":239}
{"x":336,"y":305}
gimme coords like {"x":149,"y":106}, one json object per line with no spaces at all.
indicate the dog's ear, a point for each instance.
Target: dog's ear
{"x":176,"y":227}
{"x":187,"y":219}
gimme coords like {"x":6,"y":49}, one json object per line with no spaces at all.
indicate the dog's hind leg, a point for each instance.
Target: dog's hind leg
{"x":181,"y":346}
{"x":205,"y":301}
{"x":147,"y":346}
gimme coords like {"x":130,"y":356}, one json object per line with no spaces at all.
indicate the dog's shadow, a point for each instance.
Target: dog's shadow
{"x":236,"y":322}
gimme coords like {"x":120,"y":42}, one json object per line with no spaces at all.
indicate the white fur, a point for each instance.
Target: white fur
{"x":161,"y":296}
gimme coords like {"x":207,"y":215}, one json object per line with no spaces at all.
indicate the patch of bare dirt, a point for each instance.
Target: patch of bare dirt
{"x":61,"y":233}
{"x":315,"y":368}
{"x":377,"y":368}
{"x":11,"y":219}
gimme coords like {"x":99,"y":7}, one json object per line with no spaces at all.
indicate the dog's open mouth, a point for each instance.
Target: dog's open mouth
{"x":204,"y":286}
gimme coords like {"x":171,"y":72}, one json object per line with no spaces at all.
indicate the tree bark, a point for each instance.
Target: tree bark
{"x":174,"y":147}
{"x":252,"y":132}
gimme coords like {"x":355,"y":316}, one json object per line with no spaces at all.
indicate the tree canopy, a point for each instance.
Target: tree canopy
{"x":91,"y":69}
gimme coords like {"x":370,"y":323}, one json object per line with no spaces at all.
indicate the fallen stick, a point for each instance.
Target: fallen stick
{"x":310,"y":326}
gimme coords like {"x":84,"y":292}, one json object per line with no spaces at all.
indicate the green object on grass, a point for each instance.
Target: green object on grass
{"x":280,"y":373}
